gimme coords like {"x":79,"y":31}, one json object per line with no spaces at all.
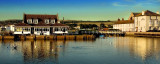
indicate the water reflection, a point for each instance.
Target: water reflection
{"x":146,"y":48}
{"x":133,"y":50}
{"x":39,"y":51}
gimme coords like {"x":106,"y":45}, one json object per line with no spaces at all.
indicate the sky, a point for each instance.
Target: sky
{"x":93,"y":10}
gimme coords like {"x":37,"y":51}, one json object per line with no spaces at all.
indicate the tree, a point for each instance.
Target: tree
{"x":102,"y":25}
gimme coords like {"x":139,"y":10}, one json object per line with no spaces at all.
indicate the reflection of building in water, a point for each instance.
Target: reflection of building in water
{"x":143,"y":47}
{"x":39,"y":50}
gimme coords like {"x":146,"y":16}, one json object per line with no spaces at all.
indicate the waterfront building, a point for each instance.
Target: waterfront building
{"x":147,"y":21}
{"x":139,"y":22}
{"x":8,"y":28}
{"x":41,"y":25}
{"x":124,"y":25}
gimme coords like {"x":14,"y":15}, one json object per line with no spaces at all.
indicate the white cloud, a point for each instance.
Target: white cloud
{"x":118,"y":4}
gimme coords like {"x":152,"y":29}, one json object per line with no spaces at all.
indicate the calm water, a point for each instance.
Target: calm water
{"x":109,"y":50}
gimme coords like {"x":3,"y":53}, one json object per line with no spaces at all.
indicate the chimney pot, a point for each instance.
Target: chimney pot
{"x":143,"y":12}
{"x":122,"y":19}
{"x":119,"y":19}
{"x":157,"y":12}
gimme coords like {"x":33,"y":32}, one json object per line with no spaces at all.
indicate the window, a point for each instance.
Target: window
{"x":29,"y":21}
{"x":45,"y":29}
{"x":157,"y":22}
{"x":47,"y":21}
{"x":150,"y":22}
{"x":26,"y":29}
{"x":35,"y":21}
{"x":56,"y":29}
{"x":52,"y":21}
{"x":149,"y":28}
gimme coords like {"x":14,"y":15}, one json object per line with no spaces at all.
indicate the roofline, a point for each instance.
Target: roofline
{"x":42,"y":14}
{"x":43,"y":26}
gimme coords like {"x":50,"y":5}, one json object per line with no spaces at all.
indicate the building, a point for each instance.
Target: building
{"x":40,"y":25}
{"x":124,"y":25}
{"x":10,"y":27}
{"x":132,"y":15}
{"x":139,"y":22}
{"x":147,"y":21}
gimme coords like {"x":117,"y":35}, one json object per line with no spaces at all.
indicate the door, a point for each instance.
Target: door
{"x":32,"y":30}
{"x":51,"y":30}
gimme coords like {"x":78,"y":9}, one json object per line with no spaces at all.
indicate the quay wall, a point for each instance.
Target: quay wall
{"x":50,"y":37}
{"x":143,"y":34}
{"x":8,"y":37}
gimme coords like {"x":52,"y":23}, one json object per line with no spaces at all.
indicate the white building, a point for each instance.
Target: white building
{"x":124,"y":25}
{"x":41,"y":25}
{"x":139,"y":22}
{"x":147,"y":21}
{"x":10,"y":27}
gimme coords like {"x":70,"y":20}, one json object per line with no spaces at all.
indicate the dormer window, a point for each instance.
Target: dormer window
{"x":29,"y":21}
{"x":35,"y":21}
{"x":52,"y":21}
{"x":47,"y":21}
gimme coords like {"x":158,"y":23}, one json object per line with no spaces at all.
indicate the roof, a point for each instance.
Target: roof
{"x":40,"y":24}
{"x":22,"y":24}
{"x":148,"y":13}
{"x":40,"y":17}
{"x":135,"y":13}
{"x":58,"y":24}
{"x":105,"y":28}
{"x":124,"y":22}
{"x":44,"y":16}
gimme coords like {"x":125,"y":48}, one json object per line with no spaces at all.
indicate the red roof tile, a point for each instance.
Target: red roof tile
{"x":40,"y":17}
{"x":41,"y":24}
{"x":148,"y":13}
{"x":22,"y":24}
{"x":58,"y":24}
{"x":124,"y":22}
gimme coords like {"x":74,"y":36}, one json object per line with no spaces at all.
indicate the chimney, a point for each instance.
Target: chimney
{"x":22,"y":21}
{"x":143,"y":12}
{"x":122,"y":19}
{"x":119,"y":19}
{"x":131,"y":18}
{"x":157,"y":12}
{"x":63,"y":18}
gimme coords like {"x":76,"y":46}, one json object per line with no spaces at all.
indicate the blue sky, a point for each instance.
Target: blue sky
{"x":76,"y":9}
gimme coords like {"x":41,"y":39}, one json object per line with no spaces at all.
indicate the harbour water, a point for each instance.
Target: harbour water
{"x":108,"y":50}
